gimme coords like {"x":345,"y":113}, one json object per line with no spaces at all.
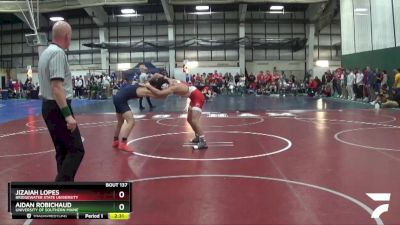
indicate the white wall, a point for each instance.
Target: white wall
{"x":396,"y":10}
{"x":369,"y":25}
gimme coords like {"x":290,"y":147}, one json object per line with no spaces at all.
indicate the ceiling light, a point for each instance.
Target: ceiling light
{"x":56,"y":18}
{"x":202,"y":7}
{"x":128,"y":11}
{"x":201,"y":13}
{"x":360,"y":10}
{"x":276,"y":12}
{"x":276,"y":7}
{"x":129,"y":15}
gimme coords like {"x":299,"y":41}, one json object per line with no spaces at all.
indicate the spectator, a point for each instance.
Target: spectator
{"x":323,"y":79}
{"x":350,"y":85}
{"x":17,"y":88}
{"x":78,"y":86}
{"x":143,"y":78}
{"x":396,"y":85}
{"x":371,"y":81}
{"x":251,"y":80}
{"x":329,"y":81}
{"x":359,"y":85}
{"x":337,"y":83}
{"x":187,"y":78}
{"x":383,"y":101}
{"x":241,"y":85}
{"x":261,"y":80}
{"x":313,"y":87}
{"x":237,"y":78}
{"x":106,"y":86}
{"x":384,"y":85}
{"x":378,"y":84}
{"x":343,"y":84}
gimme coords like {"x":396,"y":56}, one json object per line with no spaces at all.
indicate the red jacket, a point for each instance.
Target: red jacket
{"x":313,"y":84}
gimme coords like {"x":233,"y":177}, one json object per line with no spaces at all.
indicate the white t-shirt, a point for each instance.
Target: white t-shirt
{"x":78,"y":83}
{"x":359,"y":78}
{"x":350,"y":79}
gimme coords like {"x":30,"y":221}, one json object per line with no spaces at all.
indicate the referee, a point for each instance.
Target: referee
{"x":56,"y":91}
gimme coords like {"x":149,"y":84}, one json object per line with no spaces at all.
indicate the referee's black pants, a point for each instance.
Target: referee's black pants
{"x":68,"y":145}
{"x":148,"y":101}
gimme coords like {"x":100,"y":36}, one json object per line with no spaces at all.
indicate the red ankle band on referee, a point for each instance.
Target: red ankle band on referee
{"x":66,"y":111}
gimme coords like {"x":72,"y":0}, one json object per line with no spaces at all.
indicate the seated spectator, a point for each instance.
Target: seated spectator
{"x":313,"y":88}
{"x":383,"y":101}
{"x":231,"y":86}
{"x":252,"y":88}
{"x":208,"y":93}
{"x":241,"y":85}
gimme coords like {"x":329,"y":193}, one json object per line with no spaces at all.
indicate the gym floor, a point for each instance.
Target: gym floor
{"x":271,"y":160}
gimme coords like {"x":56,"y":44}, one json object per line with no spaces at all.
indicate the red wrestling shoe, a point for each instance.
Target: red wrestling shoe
{"x":123,"y":146}
{"x":115,"y":144}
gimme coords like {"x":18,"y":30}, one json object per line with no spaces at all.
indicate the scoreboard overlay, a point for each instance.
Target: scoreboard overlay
{"x":70,"y":200}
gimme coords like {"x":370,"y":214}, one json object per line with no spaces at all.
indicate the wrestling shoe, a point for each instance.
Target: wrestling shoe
{"x":201,"y":145}
{"x":123,"y":146}
{"x":195,"y":140}
{"x":115,"y":144}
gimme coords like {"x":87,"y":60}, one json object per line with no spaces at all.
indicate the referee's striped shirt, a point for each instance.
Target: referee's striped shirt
{"x":53,"y":64}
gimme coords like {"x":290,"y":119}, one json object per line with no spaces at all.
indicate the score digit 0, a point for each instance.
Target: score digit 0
{"x":121,"y":194}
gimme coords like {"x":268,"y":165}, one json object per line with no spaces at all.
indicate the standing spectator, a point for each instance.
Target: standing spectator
{"x":187,"y":78}
{"x":275,"y":79}
{"x":74,"y":85}
{"x":10,"y":85}
{"x":360,"y":85}
{"x":106,"y":86}
{"x":193,"y":79}
{"x":143,"y":78}
{"x":29,"y":88}
{"x":350,"y":85}
{"x":343,"y":83}
{"x":269,"y":79}
{"x":323,"y":80}
{"x":237,"y":79}
{"x":378,"y":84}
{"x":17,"y":88}
{"x":56,"y":91}
{"x":329,"y":81}
{"x":384,"y":85}
{"x":336,"y":83}
{"x":396,"y":84}
{"x":371,"y":82}
{"x":78,"y":86}
{"x":365,"y":82}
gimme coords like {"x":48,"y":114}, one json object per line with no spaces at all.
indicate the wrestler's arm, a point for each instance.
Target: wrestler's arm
{"x":160,"y":93}
{"x":144,"y":92}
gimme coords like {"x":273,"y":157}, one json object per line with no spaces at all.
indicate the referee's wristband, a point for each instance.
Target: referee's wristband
{"x":66,"y":111}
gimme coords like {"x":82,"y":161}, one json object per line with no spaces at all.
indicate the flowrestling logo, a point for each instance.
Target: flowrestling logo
{"x":379,"y":197}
